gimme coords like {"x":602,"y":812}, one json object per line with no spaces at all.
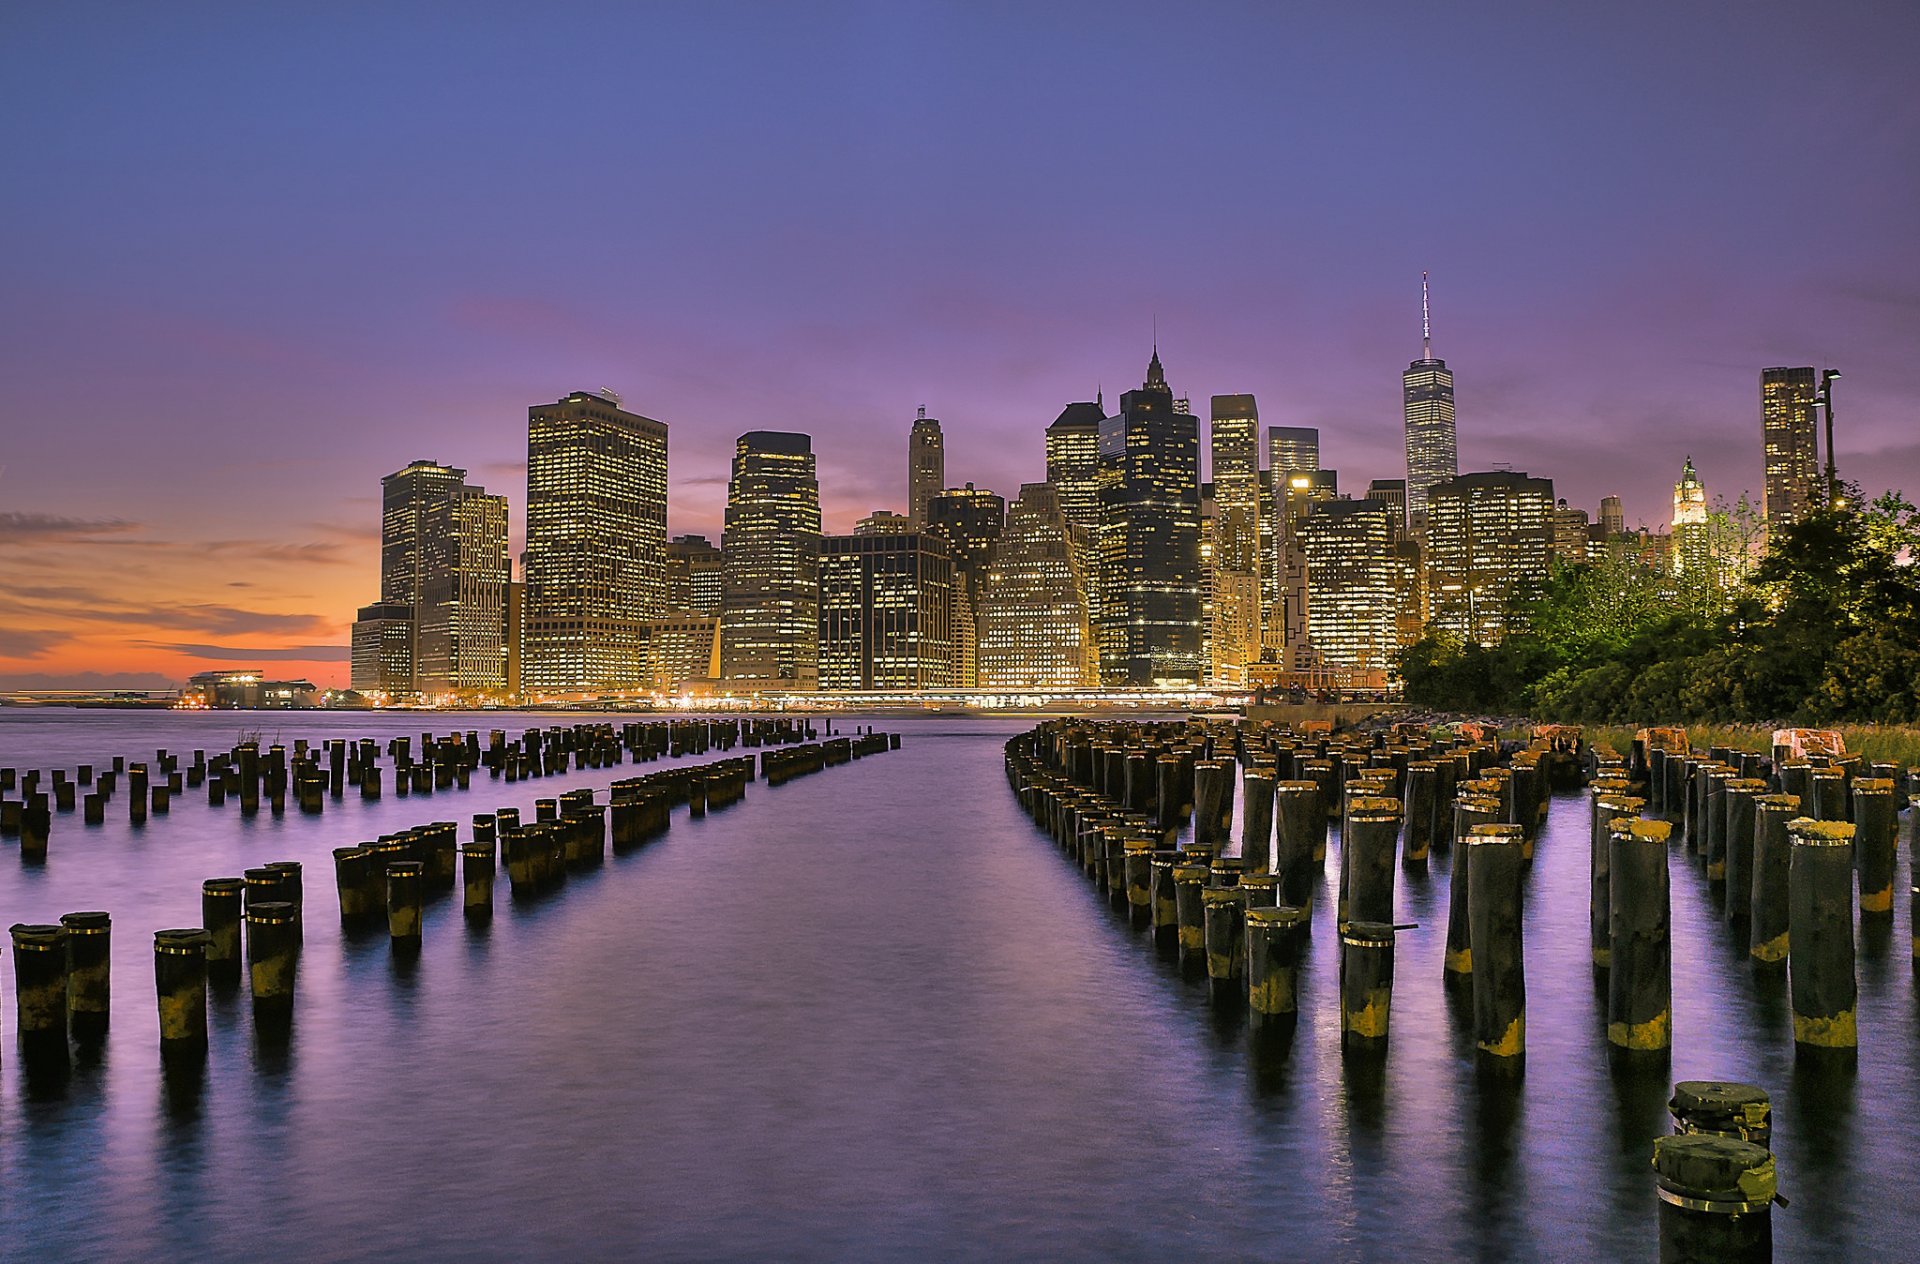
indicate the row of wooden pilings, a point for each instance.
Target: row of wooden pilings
{"x":252,"y":924}
{"x":1119,"y":797}
{"x":309,"y":775}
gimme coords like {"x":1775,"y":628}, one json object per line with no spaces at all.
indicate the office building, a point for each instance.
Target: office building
{"x":770,"y":630}
{"x":926,"y":466}
{"x":1790,"y":432}
{"x":1149,"y":546}
{"x":1569,"y":533}
{"x":1073,"y":470}
{"x":1613,"y":517}
{"x":1034,"y":631}
{"x":1354,"y":583}
{"x":1293,"y":449}
{"x":683,"y":652}
{"x":970,"y":521}
{"x":1427,"y":390}
{"x":1489,"y":534}
{"x":383,"y":648}
{"x":886,"y":612}
{"x":596,"y":544}
{"x":884,"y":522}
{"x":460,"y":625}
{"x":696,"y":573}
{"x":1391,"y":492}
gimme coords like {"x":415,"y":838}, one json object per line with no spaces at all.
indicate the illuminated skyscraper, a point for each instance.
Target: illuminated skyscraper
{"x":770,"y":629}
{"x":1569,"y":533}
{"x":886,"y":612}
{"x":695,"y":575}
{"x":1427,"y":386}
{"x":596,"y":544}
{"x":1487,"y":535}
{"x":1353,"y":582}
{"x":1293,"y":449}
{"x":404,"y":498}
{"x":1233,"y":639}
{"x":969,"y":520}
{"x":1691,"y":543}
{"x":1034,"y":631}
{"x":460,"y":639}
{"x":926,"y":466}
{"x":1073,"y":470}
{"x":1149,"y":545}
{"x":1789,"y":429}
{"x":383,"y":648}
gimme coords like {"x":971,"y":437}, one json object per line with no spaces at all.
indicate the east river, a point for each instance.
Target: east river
{"x":871,"y":1014}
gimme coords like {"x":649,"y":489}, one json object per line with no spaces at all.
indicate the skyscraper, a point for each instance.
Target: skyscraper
{"x":884,"y":522}
{"x":1034,"y":631}
{"x":1234,"y":618}
{"x":596,"y":544}
{"x":970,"y":520}
{"x":383,"y":648}
{"x":1488,"y":534}
{"x":695,"y":575}
{"x":1073,"y":470}
{"x":1392,"y":492}
{"x":1293,"y":449}
{"x":404,"y":498}
{"x":1353,"y":581}
{"x":1568,"y":533}
{"x":886,"y":612}
{"x":1789,"y":430}
{"x":1149,"y":545}
{"x":770,"y":629}
{"x":926,"y":466}
{"x":1613,"y":516}
{"x":460,"y":640}
{"x":1427,"y":387}
{"x":1691,"y":543}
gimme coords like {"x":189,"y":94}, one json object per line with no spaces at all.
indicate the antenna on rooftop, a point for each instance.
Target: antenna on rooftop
{"x":1426,"y":322}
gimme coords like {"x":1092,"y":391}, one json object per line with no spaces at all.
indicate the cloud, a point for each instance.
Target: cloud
{"x":27,"y":642}
{"x":97,"y":605}
{"x":89,"y":680}
{"x":280,"y":654}
{"x":40,"y":528}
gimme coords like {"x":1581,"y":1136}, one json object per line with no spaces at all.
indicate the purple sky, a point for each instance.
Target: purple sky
{"x":258,"y":256}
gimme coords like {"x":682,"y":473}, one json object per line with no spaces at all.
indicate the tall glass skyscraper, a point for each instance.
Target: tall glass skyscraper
{"x":1073,"y":468}
{"x":1149,"y":547}
{"x":770,"y":620}
{"x":1427,"y":387}
{"x":1487,"y":534}
{"x":1789,"y":429}
{"x":596,"y":544}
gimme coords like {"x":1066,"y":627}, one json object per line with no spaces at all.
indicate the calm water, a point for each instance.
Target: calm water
{"x":870,"y":1014}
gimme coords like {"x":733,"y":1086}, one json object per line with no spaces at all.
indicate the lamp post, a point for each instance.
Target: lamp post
{"x":1823,"y":399}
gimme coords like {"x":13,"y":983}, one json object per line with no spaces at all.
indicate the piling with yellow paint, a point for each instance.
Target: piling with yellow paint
{"x":1716,"y":1199}
{"x":1300,"y":839}
{"x":1605,"y":806}
{"x":1640,"y":977}
{"x":1366,"y":986}
{"x":1876,"y":844}
{"x":180,"y":981}
{"x":1256,"y":819}
{"x":1767,"y":920}
{"x":1273,"y":957}
{"x":1494,"y":876}
{"x":1469,"y":811}
{"x":1820,"y":974}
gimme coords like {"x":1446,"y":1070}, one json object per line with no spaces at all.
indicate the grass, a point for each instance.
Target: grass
{"x":1878,"y":743}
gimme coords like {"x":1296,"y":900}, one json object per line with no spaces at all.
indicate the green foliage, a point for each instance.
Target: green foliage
{"x":1824,"y":629}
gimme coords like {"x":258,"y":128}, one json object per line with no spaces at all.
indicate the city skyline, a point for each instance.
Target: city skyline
{"x":237,"y":357}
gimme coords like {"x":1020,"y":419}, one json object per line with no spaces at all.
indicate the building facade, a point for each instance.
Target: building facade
{"x":1034,"y":631}
{"x":1149,"y":545}
{"x":1692,"y":545}
{"x":770,"y":628}
{"x":1427,"y":395}
{"x":1789,"y":430}
{"x":696,"y":574}
{"x":596,"y":544}
{"x":382,"y":653}
{"x":886,"y":612}
{"x":1354,"y":583}
{"x":460,"y":637}
{"x":683,"y":652}
{"x":926,"y":466}
{"x":1488,"y":535}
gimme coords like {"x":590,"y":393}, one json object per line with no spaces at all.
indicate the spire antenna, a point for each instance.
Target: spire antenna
{"x":1426,"y":322}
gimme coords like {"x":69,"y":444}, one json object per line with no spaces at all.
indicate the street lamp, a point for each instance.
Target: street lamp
{"x":1824,"y":399}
